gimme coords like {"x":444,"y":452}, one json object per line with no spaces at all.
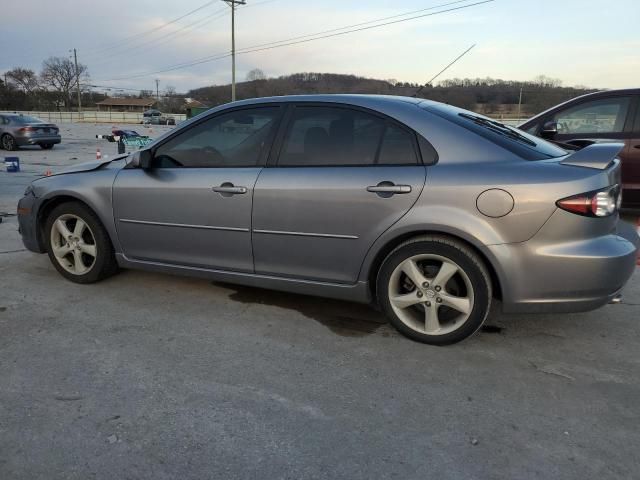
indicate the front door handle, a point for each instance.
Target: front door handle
{"x":637,"y":146}
{"x":389,"y":188}
{"x":227,"y":189}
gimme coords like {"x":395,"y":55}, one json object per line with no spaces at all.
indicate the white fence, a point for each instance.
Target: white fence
{"x":94,"y":117}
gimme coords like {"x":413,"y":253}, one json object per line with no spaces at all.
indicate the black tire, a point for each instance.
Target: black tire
{"x":468,"y":261}
{"x":8,"y":142}
{"x":46,"y":146}
{"x":105,"y":263}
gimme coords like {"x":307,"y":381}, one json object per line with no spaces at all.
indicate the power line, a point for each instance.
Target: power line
{"x":154,"y":42}
{"x":295,"y":41}
{"x":154,"y":29}
{"x":444,"y":69}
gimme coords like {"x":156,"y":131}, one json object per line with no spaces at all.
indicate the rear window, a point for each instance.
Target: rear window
{"x":516,"y":141}
{"x":24,"y":119}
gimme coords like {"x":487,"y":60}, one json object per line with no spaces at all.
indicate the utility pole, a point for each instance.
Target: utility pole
{"x":520,"y":103}
{"x":75,"y":59}
{"x":158,"y":89}
{"x":232,"y":4}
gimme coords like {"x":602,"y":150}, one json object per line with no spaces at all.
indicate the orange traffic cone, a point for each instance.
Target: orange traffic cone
{"x":98,"y":154}
{"x":47,"y":173}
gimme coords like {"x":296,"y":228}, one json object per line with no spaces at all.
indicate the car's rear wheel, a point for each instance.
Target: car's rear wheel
{"x":78,"y":245}
{"x":46,"y":146}
{"x":434,"y":290}
{"x":8,"y":142}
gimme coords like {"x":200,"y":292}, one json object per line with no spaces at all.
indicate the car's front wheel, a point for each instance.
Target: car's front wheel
{"x":78,"y":245}
{"x":434,"y":290}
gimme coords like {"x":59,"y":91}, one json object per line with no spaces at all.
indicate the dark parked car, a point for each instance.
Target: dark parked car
{"x":607,"y":115}
{"x":429,"y":210}
{"x":17,"y":130}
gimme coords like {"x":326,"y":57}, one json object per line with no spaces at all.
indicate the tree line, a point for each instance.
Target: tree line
{"x":486,"y":94}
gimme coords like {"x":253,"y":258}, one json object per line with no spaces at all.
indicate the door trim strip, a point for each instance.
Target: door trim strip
{"x":306,"y":234}
{"x":183,"y":225}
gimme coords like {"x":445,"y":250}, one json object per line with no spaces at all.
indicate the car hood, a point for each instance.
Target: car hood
{"x":88,"y":166}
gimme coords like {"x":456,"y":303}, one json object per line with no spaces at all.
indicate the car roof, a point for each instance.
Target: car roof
{"x":355,"y":99}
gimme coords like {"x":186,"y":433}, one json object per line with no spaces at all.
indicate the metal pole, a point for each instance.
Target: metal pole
{"x":157,"y":89}
{"x":233,"y":51}
{"x":519,"y":103}
{"x":232,"y":4}
{"x":75,"y":59}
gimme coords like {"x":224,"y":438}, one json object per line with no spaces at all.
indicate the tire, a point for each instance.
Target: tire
{"x":450,"y":274}
{"x":89,"y":256}
{"x":8,"y":142}
{"x":46,"y":146}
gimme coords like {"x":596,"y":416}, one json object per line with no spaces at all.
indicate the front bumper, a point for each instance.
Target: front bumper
{"x":547,"y":275}
{"x":37,"y":140}
{"x":28,"y":224}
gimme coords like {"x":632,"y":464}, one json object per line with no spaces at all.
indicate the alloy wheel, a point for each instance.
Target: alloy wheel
{"x":431,"y":294}
{"x":73,"y":244}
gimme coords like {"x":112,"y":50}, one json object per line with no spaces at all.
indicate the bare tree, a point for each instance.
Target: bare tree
{"x":59,"y":74}
{"x":255,"y":74}
{"x":24,"y":78}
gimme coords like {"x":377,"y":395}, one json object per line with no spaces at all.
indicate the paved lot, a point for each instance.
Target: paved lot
{"x":163,"y":377}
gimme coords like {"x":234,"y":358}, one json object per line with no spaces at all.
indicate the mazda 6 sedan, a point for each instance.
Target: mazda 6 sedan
{"x":429,"y":211}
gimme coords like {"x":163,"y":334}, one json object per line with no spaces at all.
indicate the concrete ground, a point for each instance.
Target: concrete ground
{"x":162,"y":377}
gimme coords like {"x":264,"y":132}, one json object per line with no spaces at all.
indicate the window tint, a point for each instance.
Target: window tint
{"x":606,"y":115}
{"x":331,"y":136}
{"x":397,"y":147}
{"x":235,"y":139}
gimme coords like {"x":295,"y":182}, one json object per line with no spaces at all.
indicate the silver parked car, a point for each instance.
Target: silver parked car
{"x":428,"y":210}
{"x":18,"y":130}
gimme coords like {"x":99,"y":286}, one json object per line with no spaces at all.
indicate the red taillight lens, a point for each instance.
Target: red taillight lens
{"x":27,"y":129}
{"x":599,"y":203}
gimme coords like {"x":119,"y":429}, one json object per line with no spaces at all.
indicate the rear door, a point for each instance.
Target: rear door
{"x":193,"y":207}
{"x":342,"y":177}
{"x":631,"y":164}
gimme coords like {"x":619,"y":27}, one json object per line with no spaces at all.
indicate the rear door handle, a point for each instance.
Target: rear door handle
{"x":228,"y":189}
{"x":389,"y":188}
{"x":637,"y":146}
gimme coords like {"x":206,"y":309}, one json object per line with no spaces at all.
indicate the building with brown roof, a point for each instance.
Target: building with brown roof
{"x":125,"y":104}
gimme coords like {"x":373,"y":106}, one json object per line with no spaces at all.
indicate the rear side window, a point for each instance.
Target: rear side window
{"x":516,"y":141}
{"x":333,"y":136}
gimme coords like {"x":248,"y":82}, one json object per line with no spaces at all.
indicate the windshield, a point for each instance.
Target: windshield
{"x":516,"y":141}
{"x":24,"y":119}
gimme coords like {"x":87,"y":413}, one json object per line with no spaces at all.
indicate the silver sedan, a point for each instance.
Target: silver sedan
{"x":18,"y":130}
{"x":429,"y":211}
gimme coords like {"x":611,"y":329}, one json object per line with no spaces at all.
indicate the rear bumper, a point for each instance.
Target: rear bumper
{"x":37,"y":140}
{"x":569,"y":276}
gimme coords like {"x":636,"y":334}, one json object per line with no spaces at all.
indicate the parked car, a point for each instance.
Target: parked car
{"x":18,"y":130}
{"x":596,"y":117}
{"x":426,"y":209}
{"x":156,"y":117}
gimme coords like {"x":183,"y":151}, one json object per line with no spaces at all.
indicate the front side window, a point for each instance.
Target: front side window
{"x":333,"y":136}
{"x":599,"y":116}
{"x":234,"y":139}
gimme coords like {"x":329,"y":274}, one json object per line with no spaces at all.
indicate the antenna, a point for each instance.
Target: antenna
{"x":444,"y":69}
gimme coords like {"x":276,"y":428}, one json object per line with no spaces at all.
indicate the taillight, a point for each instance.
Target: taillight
{"x":598,"y":203}
{"x":27,"y":129}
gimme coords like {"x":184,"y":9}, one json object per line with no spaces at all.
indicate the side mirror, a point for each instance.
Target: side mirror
{"x":549,"y":129}
{"x":141,"y":159}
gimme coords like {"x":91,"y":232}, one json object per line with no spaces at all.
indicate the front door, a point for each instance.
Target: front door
{"x":343,"y":177}
{"x":193,"y":207}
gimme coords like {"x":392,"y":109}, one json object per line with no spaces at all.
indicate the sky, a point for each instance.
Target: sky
{"x":124,"y":42}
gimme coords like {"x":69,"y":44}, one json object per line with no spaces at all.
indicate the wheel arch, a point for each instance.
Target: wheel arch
{"x":371,"y":272}
{"x":47,"y":206}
